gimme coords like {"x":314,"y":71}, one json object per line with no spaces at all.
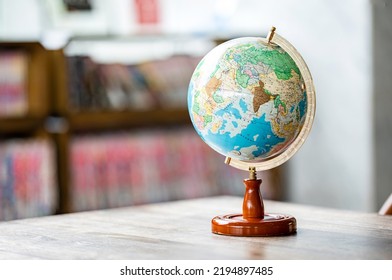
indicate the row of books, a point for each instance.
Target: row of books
{"x":149,"y":166}
{"x":13,"y":83}
{"x":113,"y":170}
{"x":27,"y":179}
{"x":149,"y":85}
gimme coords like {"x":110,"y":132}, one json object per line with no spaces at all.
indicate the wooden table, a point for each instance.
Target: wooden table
{"x":181,"y":230}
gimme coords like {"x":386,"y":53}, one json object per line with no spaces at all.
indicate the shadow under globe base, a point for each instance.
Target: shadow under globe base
{"x":253,"y":221}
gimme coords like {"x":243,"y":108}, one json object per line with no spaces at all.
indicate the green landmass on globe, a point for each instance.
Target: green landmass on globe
{"x":247,"y":99}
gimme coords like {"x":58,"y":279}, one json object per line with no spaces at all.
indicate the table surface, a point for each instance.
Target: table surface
{"x":182,"y":230}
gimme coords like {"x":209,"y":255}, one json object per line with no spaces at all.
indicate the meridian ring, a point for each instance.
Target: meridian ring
{"x":309,"y":118}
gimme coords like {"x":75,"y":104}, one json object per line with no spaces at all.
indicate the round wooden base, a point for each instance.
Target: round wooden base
{"x":270,"y":225}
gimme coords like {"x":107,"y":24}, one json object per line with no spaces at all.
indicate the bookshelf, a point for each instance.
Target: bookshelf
{"x":95,"y":121}
{"x":28,"y":186}
{"x":91,"y":145}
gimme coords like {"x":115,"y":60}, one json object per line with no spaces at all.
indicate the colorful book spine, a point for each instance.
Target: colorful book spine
{"x":27,"y":179}
{"x":13,"y":83}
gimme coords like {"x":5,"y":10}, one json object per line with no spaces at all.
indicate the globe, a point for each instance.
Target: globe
{"x":247,"y":99}
{"x":252,"y":100}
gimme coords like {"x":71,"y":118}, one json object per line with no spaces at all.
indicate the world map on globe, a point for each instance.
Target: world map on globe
{"x":247,"y":99}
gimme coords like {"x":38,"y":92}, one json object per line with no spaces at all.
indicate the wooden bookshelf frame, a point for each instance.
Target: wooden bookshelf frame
{"x":17,"y":125}
{"x":93,"y":121}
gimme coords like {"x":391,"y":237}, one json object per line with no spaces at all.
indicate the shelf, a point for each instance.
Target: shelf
{"x":97,"y":121}
{"x":139,"y":49}
{"x":12,"y":125}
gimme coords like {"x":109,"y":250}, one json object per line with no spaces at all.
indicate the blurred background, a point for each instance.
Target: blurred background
{"x":93,"y":102}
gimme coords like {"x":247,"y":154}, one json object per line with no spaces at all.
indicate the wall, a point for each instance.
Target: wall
{"x":346,"y":161}
{"x":11,"y":25}
{"x":382,"y":98}
{"x":335,"y":167}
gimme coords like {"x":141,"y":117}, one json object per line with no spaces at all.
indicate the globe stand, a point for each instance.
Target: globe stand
{"x":253,"y":221}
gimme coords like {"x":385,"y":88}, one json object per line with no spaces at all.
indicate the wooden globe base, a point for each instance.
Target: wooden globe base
{"x":270,"y":225}
{"x":253,"y":221}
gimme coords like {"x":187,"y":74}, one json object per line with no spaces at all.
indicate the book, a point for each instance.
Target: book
{"x":13,"y":83}
{"x":27,"y":179}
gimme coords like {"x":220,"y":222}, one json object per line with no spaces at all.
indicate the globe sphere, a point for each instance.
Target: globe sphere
{"x":247,"y":99}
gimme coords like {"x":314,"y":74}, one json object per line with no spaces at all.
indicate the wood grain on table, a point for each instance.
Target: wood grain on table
{"x":182,"y":230}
